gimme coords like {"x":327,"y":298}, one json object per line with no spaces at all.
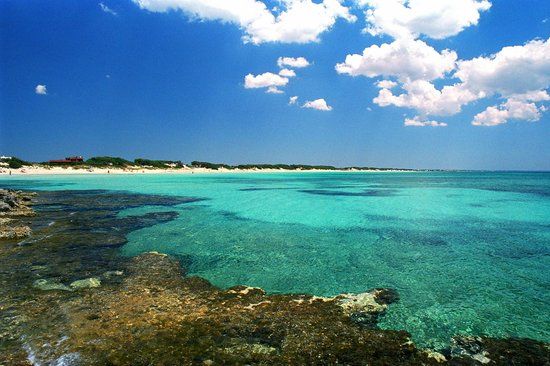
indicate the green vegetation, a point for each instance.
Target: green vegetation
{"x":159,"y":163}
{"x":101,"y":161}
{"x":15,"y":163}
{"x":207,"y":165}
{"x":117,"y":162}
{"x":216,"y":166}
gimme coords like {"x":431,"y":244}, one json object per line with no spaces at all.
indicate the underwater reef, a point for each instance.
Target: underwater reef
{"x":67,"y":297}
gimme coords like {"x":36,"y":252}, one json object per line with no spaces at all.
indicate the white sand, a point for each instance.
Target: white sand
{"x":59,"y":170}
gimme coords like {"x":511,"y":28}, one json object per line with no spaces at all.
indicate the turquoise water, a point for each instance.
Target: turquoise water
{"x":469,"y":252}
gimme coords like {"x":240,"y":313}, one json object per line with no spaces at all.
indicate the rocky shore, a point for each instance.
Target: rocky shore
{"x":68,"y":298}
{"x":14,"y":208}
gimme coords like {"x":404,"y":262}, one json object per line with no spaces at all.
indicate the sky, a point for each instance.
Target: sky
{"x":446,"y":84}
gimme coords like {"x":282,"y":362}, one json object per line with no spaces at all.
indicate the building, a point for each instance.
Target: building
{"x":70,"y":159}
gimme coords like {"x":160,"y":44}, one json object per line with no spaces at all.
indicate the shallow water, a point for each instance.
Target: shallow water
{"x":469,"y":252}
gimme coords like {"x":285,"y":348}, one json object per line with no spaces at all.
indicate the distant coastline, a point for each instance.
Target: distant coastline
{"x":115,"y":165}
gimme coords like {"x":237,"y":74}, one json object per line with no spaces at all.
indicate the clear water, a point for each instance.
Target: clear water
{"x":469,"y":252}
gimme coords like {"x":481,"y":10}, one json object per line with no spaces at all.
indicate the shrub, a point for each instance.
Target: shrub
{"x":108,"y":161}
{"x":15,"y":163}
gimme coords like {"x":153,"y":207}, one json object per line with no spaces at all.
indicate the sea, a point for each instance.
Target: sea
{"x":468,"y":252}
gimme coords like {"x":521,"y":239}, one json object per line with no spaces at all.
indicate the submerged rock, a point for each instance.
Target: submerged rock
{"x":48,"y":285}
{"x":111,"y":274}
{"x":91,"y":282}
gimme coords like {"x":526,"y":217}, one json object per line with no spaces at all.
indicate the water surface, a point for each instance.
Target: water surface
{"x":469,"y":252}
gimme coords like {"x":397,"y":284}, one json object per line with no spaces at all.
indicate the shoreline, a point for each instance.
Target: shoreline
{"x":133,"y":170}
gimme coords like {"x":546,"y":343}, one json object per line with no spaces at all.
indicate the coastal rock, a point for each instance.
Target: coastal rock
{"x":14,"y":204}
{"x":14,"y":232}
{"x":91,"y":282}
{"x":4,"y":206}
{"x":365,"y":308}
{"x":493,"y":351}
{"x":470,"y":347}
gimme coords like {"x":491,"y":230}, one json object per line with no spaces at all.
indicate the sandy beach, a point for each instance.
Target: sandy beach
{"x":59,"y":170}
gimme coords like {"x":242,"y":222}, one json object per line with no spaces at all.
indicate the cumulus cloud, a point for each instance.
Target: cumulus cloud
{"x":404,"y":59}
{"x":519,"y":75}
{"x":425,"y":98}
{"x":287,"y":73}
{"x":298,"y":21}
{"x":293,"y":100}
{"x":511,"y":109}
{"x":41,"y":89}
{"x":435,"y":19}
{"x":107,"y":10}
{"x":512,"y":70}
{"x":296,"y":62}
{"x":319,"y":104}
{"x":274,"y":90}
{"x":265,"y":80}
{"x":418,"y":122}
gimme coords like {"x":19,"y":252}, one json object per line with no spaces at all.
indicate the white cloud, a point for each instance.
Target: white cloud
{"x":41,"y":89}
{"x":386,"y":84}
{"x":436,"y":19}
{"x":297,"y":62}
{"x":299,"y":21}
{"x":287,"y":73}
{"x":512,"y":70}
{"x":293,"y":100}
{"x":405,"y":59}
{"x":517,"y":75}
{"x":418,"y":122}
{"x":274,"y":90}
{"x":511,"y":109}
{"x":106,"y":9}
{"x":319,"y":104}
{"x":422,"y":96}
{"x":265,"y":80}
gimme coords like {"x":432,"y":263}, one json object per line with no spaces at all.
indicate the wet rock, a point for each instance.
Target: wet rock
{"x":470,"y":347}
{"x":439,"y":357}
{"x":254,"y":348}
{"x":365,"y":308}
{"x":14,"y":232}
{"x":110,"y":274}
{"x":48,"y":285}
{"x":4,"y":206}
{"x":493,"y":351}
{"x":14,"y":204}
{"x":91,"y":282}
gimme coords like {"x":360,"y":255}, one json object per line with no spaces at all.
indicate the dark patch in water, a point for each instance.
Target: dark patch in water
{"x":34,"y":183}
{"x":233,"y":216}
{"x":366,"y":193}
{"x":251,"y":189}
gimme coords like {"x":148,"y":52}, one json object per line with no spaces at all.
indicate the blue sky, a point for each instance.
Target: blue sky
{"x":140,"y":79}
